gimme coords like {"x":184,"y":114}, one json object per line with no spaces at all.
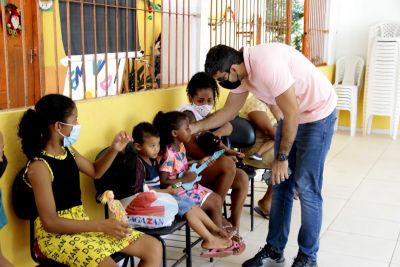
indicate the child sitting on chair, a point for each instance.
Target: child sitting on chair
{"x":147,"y":144}
{"x":63,"y":230}
{"x":174,"y":130}
{"x":202,"y":91}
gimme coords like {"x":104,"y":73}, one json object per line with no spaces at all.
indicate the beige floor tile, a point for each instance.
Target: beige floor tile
{"x":349,"y":223}
{"x":330,"y":189}
{"x":336,"y":260}
{"x":386,"y":170}
{"x":361,"y":208}
{"x":374,"y":191}
{"x":375,"y":249}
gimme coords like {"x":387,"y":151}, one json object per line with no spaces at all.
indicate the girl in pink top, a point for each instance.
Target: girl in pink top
{"x":174,"y":129}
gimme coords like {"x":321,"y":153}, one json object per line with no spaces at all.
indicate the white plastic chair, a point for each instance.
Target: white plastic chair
{"x":347,"y":83}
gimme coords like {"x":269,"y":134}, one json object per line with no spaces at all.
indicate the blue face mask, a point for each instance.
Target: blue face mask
{"x":73,"y":136}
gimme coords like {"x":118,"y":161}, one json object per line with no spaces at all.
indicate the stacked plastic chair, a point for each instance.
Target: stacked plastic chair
{"x":348,"y":75}
{"x":382,"y":81}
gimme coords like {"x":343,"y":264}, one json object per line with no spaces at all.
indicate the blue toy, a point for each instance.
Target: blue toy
{"x":198,"y":170}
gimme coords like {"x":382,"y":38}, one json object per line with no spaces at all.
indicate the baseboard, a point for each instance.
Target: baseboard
{"x":373,"y":131}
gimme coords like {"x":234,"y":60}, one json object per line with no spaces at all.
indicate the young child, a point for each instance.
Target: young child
{"x":202,"y":91}
{"x":147,"y":144}
{"x":64,"y":232}
{"x":174,"y":130}
{"x":3,"y":219}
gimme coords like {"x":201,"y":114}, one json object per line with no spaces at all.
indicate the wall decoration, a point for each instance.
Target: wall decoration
{"x":46,"y":5}
{"x":152,"y":6}
{"x":13,"y":20}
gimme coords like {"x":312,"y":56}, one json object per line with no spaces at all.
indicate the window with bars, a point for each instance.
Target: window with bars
{"x":94,"y":48}
{"x":302,"y":24}
{"x":316,"y":30}
{"x":102,"y":28}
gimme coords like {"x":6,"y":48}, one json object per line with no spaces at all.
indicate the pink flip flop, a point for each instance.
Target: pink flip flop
{"x":221,"y":252}
{"x":242,"y":246}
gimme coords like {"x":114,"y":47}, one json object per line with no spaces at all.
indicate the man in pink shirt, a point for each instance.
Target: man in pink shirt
{"x":304,"y":101}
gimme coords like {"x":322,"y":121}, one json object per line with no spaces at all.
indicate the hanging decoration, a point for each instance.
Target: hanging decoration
{"x":46,"y":5}
{"x":13,"y":20}
{"x":150,"y":7}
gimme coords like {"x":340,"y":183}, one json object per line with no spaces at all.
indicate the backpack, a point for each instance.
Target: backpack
{"x":23,"y":199}
{"x":121,"y":176}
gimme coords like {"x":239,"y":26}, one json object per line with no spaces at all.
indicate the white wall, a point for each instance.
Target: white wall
{"x":175,"y":33}
{"x":350,"y":22}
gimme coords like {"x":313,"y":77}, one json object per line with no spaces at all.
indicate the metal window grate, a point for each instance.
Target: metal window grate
{"x":239,"y":23}
{"x":94,"y":48}
{"x":316,"y":31}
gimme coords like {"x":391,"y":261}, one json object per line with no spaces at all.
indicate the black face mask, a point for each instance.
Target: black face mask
{"x":3,"y":165}
{"x":230,"y":85}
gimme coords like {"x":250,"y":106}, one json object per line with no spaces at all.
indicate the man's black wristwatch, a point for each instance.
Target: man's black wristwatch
{"x":282,"y":157}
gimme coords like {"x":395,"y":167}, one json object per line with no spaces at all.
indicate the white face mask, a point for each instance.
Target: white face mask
{"x":73,"y":136}
{"x":203,"y":110}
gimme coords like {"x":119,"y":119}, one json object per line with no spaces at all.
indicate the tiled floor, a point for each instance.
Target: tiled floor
{"x":361,"y":222}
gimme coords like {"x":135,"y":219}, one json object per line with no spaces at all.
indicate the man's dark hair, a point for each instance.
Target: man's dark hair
{"x":220,"y":58}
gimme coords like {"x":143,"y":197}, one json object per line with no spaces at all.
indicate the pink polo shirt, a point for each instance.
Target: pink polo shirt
{"x":273,"y":68}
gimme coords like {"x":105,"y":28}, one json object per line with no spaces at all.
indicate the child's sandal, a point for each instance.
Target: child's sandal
{"x":242,"y":246}
{"x":221,"y":252}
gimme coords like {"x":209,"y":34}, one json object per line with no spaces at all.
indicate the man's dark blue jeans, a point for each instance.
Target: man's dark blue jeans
{"x":306,"y":161}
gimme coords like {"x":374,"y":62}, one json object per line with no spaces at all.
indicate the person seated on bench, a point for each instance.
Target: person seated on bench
{"x":202,"y":91}
{"x":147,"y":144}
{"x":63,"y":230}
{"x":174,"y":130}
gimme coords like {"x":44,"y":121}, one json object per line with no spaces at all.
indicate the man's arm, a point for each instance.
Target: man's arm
{"x":276,"y":112}
{"x":287,"y":103}
{"x":231,"y":108}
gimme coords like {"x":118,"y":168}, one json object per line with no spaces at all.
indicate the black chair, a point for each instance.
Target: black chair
{"x":244,"y":136}
{"x":157,"y":233}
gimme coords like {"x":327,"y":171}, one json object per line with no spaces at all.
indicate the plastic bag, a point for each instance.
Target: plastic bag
{"x":159,"y":213}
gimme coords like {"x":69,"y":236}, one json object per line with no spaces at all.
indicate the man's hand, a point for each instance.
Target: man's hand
{"x":194,"y":128}
{"x":279,"y":171}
